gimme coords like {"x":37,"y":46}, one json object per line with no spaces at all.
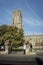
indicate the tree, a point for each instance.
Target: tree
{"x":12,"y":34}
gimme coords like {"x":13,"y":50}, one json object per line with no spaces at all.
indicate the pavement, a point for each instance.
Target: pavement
{"x":21,"y":53}
{"x":13,"y":59}
{"x":18,"y":58}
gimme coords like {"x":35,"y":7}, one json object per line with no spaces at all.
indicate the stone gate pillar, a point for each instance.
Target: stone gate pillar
{"x":7,"y":46}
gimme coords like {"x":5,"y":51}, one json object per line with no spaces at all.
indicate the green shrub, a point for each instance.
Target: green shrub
{"x":16,"y":49}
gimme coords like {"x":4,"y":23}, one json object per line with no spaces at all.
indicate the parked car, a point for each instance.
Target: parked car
{"x":2,"y":47}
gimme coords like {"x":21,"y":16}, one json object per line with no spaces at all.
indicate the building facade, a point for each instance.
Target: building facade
{"x":36,"y":40}
{"x":17,"y":19}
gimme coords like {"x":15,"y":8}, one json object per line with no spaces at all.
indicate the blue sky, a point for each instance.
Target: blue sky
{"x":32,"y":13}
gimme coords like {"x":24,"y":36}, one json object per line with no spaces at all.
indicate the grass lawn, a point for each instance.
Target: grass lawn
{"x":35,"y":49}
{"x":17,"y":49}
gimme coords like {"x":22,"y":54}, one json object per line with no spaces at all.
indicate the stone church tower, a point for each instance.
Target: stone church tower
{"x":17,"y":19}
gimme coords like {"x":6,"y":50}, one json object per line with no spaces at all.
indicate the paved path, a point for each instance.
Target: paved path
{"x":21,"y":59}
{"x":18,"y":58}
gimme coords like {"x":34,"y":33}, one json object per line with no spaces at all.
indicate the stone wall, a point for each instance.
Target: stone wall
{"x":36,"y":40}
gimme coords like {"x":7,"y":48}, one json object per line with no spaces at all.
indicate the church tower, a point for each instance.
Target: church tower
{"x":17,"y":19}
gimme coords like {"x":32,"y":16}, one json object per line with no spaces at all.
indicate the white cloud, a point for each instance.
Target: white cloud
{"x":33,"y":19}
{"x":33,"y":22}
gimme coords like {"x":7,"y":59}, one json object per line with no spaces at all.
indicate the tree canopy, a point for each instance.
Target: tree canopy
{"x":12,"y":34}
